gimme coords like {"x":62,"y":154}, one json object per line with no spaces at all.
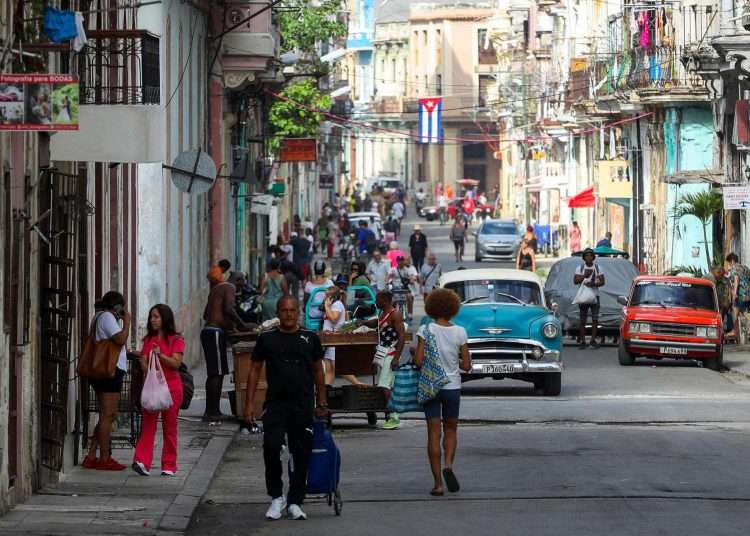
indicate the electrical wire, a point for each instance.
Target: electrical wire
{"x":187,"y":62}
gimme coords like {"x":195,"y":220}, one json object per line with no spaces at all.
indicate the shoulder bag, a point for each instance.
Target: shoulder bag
{"x":98,"y":360}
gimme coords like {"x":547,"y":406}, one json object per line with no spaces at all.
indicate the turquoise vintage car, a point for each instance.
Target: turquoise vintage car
{"x":512,"y":333}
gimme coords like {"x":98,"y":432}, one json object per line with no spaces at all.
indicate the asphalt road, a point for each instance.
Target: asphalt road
{"x":659,"y":448}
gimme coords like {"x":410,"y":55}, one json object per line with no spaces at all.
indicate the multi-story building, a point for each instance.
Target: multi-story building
{"x":94,"y":210}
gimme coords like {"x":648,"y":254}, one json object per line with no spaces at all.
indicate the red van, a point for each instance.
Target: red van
{"x":671,"y":317}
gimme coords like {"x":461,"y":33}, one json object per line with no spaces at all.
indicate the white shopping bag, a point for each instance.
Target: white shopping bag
{"x":155,"y":395}
{"x":585,"y":295}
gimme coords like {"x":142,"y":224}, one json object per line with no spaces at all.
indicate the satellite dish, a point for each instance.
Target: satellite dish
{"x":193,"y":172}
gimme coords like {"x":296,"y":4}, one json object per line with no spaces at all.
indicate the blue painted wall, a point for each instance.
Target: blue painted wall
{"x":688,"y":140}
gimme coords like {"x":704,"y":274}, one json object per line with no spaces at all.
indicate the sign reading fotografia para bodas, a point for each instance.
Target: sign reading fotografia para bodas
{"x":38,"y":102}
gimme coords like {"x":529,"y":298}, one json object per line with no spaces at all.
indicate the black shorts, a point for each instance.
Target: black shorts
{"x":109,"y":385}
{"x":214,"y":343}
{"x":583,"y":309}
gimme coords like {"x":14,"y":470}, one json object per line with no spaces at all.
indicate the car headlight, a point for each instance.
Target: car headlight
{"x":640,"y":327}
{"x":709,"y":333}
{"x":550,"y":331}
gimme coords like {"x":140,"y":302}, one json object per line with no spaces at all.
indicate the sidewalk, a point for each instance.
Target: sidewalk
{"x":123,"y":502}
{"x":737,"y":358}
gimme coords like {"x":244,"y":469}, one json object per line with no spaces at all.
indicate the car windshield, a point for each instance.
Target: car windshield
{"x":673,"y":294}
{"x":495,"y":228}
{"x":497,"y":291}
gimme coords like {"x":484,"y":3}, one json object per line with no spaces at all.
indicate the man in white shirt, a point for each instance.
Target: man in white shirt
{"x":398,"y":210}
{"x":404,"y":277}
{"x":377,"y":270}
{"x":589,"y":274}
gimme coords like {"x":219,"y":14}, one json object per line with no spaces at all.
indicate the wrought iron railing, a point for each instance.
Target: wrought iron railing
{"x":120,"y":67}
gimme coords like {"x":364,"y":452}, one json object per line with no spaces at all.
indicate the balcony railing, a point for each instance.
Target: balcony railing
{"x":119,"y":67}
{"x":650,"y":54}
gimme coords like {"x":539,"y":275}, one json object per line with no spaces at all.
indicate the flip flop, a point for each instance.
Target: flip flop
{"x":450,"y":480}
{"x":436,"y":493}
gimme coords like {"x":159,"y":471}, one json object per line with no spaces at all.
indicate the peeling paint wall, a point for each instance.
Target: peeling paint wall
{"x":690,"y":136}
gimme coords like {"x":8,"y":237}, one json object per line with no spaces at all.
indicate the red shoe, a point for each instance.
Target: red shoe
{"x":89,"y":463}
{"x":109,"y":465}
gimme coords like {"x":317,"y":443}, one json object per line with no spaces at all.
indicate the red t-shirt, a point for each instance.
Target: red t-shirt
{"x":174,"y":344}
{"x":468,"y":206}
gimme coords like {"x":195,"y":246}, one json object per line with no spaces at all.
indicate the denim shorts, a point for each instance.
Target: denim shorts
{"x":448,"y":401}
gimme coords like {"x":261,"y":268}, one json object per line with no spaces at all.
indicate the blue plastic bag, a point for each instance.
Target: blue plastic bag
{"x":404,"y":393}
{"x":59,"y":25}
{"x":324,"y":470}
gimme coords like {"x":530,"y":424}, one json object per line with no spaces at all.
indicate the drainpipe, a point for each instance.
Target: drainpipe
{"x":638,"y":199}
{"x":218,"y":191}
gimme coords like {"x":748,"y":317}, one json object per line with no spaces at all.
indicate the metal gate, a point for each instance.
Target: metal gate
{"x":61,"y":202}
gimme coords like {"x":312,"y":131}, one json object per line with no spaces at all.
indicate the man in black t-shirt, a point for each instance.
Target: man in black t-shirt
{"x":294,"y":373}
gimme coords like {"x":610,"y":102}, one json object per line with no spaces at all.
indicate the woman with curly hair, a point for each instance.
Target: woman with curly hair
{"x":442,"y":305}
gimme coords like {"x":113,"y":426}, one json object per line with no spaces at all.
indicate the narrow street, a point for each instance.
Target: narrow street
{"x":658,"y":448}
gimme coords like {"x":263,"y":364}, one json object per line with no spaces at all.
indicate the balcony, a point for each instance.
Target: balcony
{"x":388,"y":105}
{"x":119,"y":67}
{"x":247,"y":49}
{"x":657,"y":66}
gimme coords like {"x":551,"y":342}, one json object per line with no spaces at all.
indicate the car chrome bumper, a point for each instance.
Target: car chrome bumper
{"x":523,"y":367}
{"x":657,"y":343}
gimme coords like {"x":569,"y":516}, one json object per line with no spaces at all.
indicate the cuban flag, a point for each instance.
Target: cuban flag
{"x":431,"y":120}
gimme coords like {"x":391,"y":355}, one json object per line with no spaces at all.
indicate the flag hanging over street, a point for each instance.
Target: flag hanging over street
{"x":431,"y":120}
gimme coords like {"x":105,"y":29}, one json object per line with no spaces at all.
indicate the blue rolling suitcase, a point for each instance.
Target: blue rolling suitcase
{"x":324,"y":471}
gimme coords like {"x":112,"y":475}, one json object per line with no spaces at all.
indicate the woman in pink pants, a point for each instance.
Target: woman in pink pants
{"x":163,"y":339}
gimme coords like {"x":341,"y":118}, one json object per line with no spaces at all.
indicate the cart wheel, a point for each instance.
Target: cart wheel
{"x":338,"y":504}
{"x":372,"y":418}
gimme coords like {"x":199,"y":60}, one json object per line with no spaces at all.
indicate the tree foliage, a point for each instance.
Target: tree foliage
{"x":303,"y":24}
{"x":296,"y":119}
{"x":702,"y":205}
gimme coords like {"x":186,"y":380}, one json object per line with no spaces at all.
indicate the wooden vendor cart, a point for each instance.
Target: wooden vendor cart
{"x":354,"y":355}
{"x":243,"y":344}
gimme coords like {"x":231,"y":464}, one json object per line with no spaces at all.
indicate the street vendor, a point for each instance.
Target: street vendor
{"x":391,"y":339}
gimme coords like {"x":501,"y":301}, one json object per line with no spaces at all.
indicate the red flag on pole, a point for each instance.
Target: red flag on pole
{"x":584,"y":198}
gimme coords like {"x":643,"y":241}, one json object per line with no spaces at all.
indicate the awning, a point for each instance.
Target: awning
{"x":584,"y":198}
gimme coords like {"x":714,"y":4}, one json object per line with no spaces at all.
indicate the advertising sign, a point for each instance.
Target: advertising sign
{"x":298,"y":150}
{"x":38,"y":102}
{"x":736,"y":197}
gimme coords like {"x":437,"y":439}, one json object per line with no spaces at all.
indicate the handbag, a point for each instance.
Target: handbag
{"x":155,"y":395}
{"x":188,"y":386}
{"x":98,"y":360}
{"x":584,"y":296}
{"x":404,"y":392}
{"x":432,"y":377}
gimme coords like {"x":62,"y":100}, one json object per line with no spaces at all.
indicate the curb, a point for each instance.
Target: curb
{"x":179,"y":513}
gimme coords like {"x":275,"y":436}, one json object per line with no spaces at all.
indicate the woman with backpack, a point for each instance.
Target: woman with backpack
{"x":443,"y":345}
{"x":163,"y":343}
{"x":273,"y":287}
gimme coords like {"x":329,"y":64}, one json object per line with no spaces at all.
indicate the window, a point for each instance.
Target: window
{"x":485,"y":49}
{"x":487,"y":90}
{"x":427,"y":88}
{"x":438,"y":48}
{"x":438,"y":84}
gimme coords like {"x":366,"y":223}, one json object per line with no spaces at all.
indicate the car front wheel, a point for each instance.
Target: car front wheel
{"x":715,"y":363}
{"x":624,"y":357}
{"x":552,"y":384}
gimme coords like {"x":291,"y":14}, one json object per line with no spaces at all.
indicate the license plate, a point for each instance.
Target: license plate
{"x":671,"y":350}
{"x":503,"y":368}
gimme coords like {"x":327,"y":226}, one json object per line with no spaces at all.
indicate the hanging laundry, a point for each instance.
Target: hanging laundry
{"x":645,"y":33}
{"x":59,"y":25}
{"x":612,"y":144}
{"x":80,"y":40}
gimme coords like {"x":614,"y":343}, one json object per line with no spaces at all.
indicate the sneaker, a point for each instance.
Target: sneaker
{"x":167,"y":472}
{"x":277,"y":506}
{"x":139,"y":468}
{"x":393,"y":422}
{"x":109,"y":465}
{"x":295,"y":512}
{"x":89,"y":463}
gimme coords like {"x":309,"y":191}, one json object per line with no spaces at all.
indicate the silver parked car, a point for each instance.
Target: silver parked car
{"x":498,"y":239}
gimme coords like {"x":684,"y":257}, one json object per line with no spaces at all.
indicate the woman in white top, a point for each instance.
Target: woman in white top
{"x":107,"y":390}
{"x":335,"y":316}
{"x":442,"y":305}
